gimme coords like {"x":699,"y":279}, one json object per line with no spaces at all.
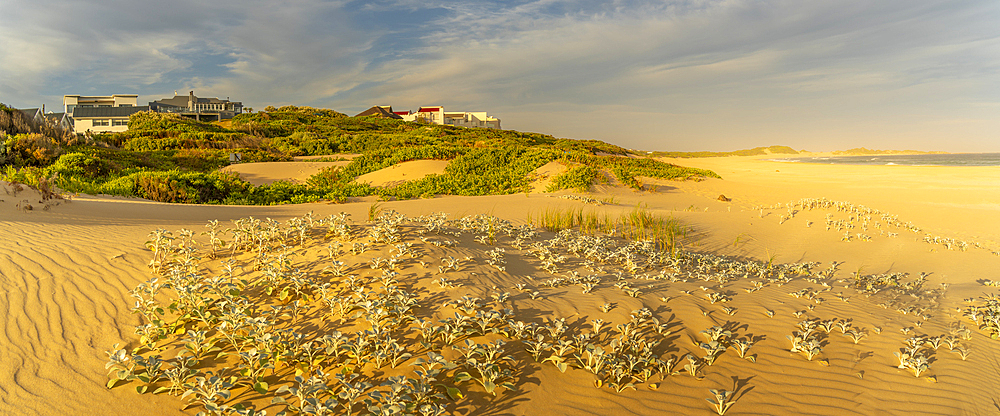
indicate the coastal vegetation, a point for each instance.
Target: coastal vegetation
{"x":168,"y":158}
{"x":390,"y":316}
{"x":268,"y":332}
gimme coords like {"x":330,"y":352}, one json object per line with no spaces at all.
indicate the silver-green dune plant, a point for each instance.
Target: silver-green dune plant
{"x":181,"y":369}
{"x":693,"y":366}
{"x":120,"y":365}
{"x":722,"y":400}
{"x":311,"y":397}
{"x":486,"y":363}
{"x":160,"y":243}
{"x":742,"y":346}
{"x":208,"y":390}
{"x":962,"y":351}
{"x":267,"y":318}
{"x":856,"y":334}
{"x":804,"y":341}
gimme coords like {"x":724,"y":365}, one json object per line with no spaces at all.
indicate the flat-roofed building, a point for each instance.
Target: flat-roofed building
{"x":471,"y":119}
{"x":71,"y":102}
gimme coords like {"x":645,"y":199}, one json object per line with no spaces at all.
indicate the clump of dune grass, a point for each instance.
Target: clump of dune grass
{"x":639,"y":224}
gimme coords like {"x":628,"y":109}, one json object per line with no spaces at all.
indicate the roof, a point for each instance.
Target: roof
{"x":182,"y":101}
{"x":379,"y":111}
{"x":29,"y":112}
{"x":430,"y":109}
{"x":107,"y":111}
{"x":101,"y":96}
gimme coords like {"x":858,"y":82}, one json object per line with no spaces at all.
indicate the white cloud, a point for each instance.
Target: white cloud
{"x":684,"y":74}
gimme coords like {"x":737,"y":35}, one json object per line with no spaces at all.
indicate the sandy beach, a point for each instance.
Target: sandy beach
{"x":68,"y":268}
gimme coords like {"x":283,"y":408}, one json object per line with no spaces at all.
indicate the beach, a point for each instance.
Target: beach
{"x":69,"y":269}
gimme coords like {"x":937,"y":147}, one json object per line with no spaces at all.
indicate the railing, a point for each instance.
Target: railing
{"x":184,"y":110}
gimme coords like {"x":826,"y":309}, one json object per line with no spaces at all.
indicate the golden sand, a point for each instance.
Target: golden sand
{"x":67,"y":271}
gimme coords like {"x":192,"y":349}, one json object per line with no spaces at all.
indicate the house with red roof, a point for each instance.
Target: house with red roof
{"x":437,"y":115}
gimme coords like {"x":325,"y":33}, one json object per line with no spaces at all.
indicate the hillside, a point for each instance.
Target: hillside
{"x":166,"y":158}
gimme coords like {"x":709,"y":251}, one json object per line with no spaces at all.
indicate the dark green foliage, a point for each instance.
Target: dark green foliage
{"x":383,"y":158}
{"x":577,"y":177}
{"x":185,"y":187}
{"x":494,"y":170}
{"x":82,"y":165}
{"x":168,"y":158}
{"x":626,"y":169}
{"x":165,"y":122}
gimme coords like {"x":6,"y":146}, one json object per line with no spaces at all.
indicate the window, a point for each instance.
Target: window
{"x":119,"y":122}
{"x":124,"y":105}
{"x":101,"y":122}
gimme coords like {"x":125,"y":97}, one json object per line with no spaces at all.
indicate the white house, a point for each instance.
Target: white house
{"x":437,"y":115}
{"x":471,"y":119}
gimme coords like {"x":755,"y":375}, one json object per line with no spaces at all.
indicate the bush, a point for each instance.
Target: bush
{"x":31,"y":149}
{"x":185,"y":187}
{"x":150,"y":120}
{"x":81,"y":164}
{"x":577,"y":177}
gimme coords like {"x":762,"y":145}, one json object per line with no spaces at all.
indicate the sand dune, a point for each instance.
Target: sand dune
{"x":68,"y":270}
{"x":545,"y":174}
{"x":403,"y":172}
{"x":265,"y":173}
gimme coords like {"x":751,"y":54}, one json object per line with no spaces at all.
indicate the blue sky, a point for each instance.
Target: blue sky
{"x":656,"y":75}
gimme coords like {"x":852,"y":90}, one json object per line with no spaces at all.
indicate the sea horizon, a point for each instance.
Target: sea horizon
{"x":931,"y":159}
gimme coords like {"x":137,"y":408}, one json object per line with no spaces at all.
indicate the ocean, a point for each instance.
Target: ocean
{"x":955,"y":159}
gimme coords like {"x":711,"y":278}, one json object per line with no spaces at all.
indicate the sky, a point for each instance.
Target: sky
{"x":651,"y":75}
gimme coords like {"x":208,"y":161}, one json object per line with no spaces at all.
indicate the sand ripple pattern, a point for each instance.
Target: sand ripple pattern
{"x":64,"y":293}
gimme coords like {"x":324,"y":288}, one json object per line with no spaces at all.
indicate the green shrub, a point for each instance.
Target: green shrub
{"x":81,"y":164}
{"x":149,"y":120}
{"x":185,"y":187}
{"x":577,"y":177}
{"x":200,"y":160}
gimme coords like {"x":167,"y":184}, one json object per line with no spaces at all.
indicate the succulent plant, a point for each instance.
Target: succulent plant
{"x":722,"y":400}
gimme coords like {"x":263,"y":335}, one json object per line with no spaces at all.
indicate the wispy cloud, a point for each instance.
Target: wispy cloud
{"x":647,"y":74}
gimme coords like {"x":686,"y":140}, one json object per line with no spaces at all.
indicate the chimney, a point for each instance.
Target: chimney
{"x":191,"y":101}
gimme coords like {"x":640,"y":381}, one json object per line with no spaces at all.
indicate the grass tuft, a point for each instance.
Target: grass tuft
{"x":639,"y":224}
